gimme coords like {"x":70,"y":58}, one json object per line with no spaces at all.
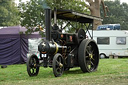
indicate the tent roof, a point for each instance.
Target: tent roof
{"x":14,"y":30}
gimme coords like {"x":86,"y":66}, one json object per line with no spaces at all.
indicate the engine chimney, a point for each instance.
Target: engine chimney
{"x":48,"y":23}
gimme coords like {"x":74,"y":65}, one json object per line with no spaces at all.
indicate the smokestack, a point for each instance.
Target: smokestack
{"x":48,"y":23}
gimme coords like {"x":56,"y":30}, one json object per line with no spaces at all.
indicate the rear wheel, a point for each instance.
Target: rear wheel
{"x":58,"y":65}
{"x":88,"y":55}
{"x":33,"y":65}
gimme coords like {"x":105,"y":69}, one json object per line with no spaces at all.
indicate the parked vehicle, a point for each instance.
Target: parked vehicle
{"x":109,"y":27}
{"x":111,"y":42}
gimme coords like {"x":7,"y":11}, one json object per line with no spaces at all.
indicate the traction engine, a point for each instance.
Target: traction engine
{"x":62,"y":51}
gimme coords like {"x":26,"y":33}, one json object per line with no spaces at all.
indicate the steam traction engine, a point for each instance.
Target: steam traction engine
{"x":63,"y":51}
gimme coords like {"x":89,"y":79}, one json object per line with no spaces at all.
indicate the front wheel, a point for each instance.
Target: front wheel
{"x":88,"y":55}
{"x":33,"y":65}
{"x":58,"y":65}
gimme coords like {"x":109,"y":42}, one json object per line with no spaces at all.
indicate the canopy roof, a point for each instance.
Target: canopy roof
{"x":75,"y":16}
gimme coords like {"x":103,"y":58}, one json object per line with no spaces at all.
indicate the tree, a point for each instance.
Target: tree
{"x":118,"y":14}
{"x":32,"y":13}
{"x":94,"y":7}
{"x":8,"y":13}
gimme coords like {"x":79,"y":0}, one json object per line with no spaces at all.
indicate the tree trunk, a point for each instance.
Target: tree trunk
{"x":95,"y":11}
{"x":94,"y":6}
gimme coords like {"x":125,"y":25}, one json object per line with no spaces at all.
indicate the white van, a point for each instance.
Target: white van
{"x":111,"y":42}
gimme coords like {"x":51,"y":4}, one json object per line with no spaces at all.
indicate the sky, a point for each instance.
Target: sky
{"x":126,"y":1}
{"x":17,"y":1}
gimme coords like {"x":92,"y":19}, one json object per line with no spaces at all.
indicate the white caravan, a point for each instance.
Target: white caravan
{"x":111,"y":42}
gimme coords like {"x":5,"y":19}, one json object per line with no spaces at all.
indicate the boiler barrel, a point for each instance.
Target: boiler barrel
{"x":47,"y":47}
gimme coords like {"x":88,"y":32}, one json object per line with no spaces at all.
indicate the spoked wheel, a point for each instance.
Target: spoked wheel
{"x":33,"y":65}
{"x":88,"y":55}
{"x":58,"y":65}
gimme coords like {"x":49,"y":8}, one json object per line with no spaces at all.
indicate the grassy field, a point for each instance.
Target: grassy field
{"x":110,"y":72}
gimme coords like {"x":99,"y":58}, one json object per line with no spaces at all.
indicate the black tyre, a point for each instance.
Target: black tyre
{"x":102,"y":55}
{"x":58,"y":65}
{"x":33,"y":65}
{"x":88,"y":55}
{"x":66,"y":69}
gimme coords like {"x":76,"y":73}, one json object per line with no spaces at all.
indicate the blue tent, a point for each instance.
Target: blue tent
{"x":14,"y":46}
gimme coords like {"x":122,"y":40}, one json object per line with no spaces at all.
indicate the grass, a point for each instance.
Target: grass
{"x":110,"y":72}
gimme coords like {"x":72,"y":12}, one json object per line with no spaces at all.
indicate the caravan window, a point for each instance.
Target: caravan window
{"x":103,"y":40}
{"x":121,"y":40}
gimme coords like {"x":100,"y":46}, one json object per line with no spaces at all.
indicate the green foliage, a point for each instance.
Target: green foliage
{"x":118,"y":14}
{"x":110,"y":72}
{"x":74,"y":5}
{"x":9,"y":14}
{"x":32,"y":13}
